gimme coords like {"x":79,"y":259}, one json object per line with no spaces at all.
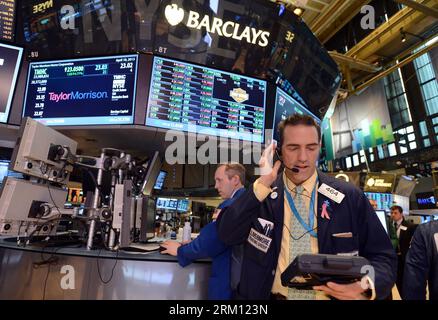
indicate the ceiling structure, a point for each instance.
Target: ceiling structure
{"x":382,"y":50}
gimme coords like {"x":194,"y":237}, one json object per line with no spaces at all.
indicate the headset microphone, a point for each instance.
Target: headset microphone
{"x":293,"y":169}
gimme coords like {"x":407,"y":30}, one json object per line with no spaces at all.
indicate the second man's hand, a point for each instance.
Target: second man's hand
{"x":171,"y":247}
{"x":268,"y":172}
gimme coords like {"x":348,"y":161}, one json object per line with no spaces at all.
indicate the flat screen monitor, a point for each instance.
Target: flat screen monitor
{"x":160,"y":180}
{"x":153,"y":170}
{"x":382,"y":217}
{"x":183,"y":205}
{"x":195,"y":98}
{"x":384,"y":200}
{"x":10,"y":60}
{"x":4,"y":165}
{"x":167,"y":203}
{"x":7,"y":20}
{"x":5,"y":172}
{"x":285,"y":106}
{"x":92,"y":91}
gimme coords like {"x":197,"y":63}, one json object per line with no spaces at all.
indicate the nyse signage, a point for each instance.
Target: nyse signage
{"x":379,"y":182}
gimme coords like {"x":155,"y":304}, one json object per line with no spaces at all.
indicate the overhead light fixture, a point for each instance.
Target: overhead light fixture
{"x":403,"y":34}
{"x":298,"y":11}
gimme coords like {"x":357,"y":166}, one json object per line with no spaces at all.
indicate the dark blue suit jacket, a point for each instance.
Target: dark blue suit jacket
{"x":208,"y":245}
{"x":354,"y":214}
{"x":422,"y":264}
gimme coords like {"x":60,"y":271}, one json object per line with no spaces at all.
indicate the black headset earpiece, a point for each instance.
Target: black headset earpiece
{"x":279,"y":155}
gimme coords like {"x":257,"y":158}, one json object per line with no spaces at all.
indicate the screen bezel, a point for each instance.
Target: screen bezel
{"x":17,"y":72}
{"x":277,"y":92}
{"x":136,"y":82}
{"x":218,"y":135}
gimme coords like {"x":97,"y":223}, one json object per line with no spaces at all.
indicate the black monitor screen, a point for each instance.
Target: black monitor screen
{"x":7,"y":20}
{"x":194,"y":98}
{"x":82,"y":91}
{"x":285,"y":106}
{"x":10,"y":59}
{"x":160,"y":180}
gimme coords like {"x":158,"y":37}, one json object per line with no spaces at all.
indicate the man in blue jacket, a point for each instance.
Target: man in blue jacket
{"x":229,"y":180}
{"x":304,"y":211}
{"x":421,"y":265}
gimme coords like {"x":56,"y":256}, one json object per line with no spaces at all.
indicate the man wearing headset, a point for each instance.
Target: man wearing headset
{"x":302,"y":210}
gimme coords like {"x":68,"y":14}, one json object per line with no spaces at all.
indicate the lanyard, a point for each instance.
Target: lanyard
{"x":307,"y":227}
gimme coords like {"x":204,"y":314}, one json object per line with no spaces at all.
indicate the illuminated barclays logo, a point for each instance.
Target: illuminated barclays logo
{"x":174,"y":15}
{"x":228,"y":29}
{"x":64,"y":96}
{"x":429,"y":200}
{"x":239,"y":95}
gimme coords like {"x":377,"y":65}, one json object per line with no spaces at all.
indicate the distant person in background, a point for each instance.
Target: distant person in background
{"x":229,"y":180}
{"x":401,"y":233}
{"x":422,"y":264}
{"x":373,"y":204}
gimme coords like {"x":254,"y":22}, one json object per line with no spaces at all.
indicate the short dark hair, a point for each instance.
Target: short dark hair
{"x":298,"y":119}
{"x":234,"y":169}
{"x":400,"y":209}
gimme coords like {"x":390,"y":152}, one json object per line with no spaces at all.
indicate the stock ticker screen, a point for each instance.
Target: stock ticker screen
{"x":90,"y":91}
{"x":194,"y":98}
{"x":285,"y":106}
{"x":7,"y":20}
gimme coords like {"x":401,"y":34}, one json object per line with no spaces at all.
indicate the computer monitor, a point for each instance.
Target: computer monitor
{"x":194,"y":98}
{"x":10,"y":60}
{"x":183,"y":205}
{"x":152,"y":173}
{"x":5,"y":172}
{"x":384,"y":200}
{"x":160,"y":180}
{"x":7,"y":20}
{"x":89,"y":91}
{"x":382,"y":217}
{"x":167,"y":204}
{"x":285,"y":106}
{"x":4,"y":165}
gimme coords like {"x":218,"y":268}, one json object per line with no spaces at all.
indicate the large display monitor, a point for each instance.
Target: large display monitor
{"x":160,"y":180}
{"x":285,"y":106}
{"x":7,"y":20}
{"x":10,"y":60}
{"x":194,"y":98}
{"x":167,"y":203}
{"x":384,"y":201}
{"x":88,"y":91}
{"x":183,"y":205}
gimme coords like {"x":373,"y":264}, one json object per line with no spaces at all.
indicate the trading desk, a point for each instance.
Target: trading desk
{"x":73,"y":273}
